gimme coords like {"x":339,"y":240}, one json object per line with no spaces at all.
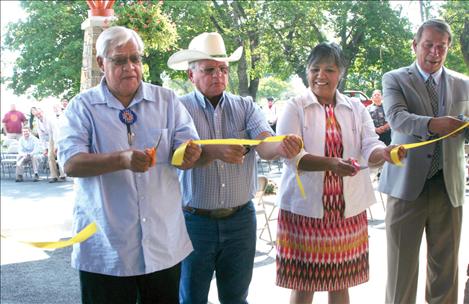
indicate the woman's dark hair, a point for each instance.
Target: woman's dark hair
{"x":327,"y":52}
{"x":31,"y":117}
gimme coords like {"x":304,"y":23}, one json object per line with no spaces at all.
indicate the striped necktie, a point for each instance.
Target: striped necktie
{"x":433,"y":94}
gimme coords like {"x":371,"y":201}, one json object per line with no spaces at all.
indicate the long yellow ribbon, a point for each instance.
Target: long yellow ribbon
{"x":81,"y":236}
{"x":178,"y":156}
{"x":394,"y":152}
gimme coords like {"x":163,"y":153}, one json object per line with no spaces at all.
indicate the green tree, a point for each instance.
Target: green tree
{"x":277,"y":37}
{"x":156,"y":30}
{"x":374,"y":40}
{"x":50,"y":46}
{"x":456,"y":13}
{"x":273,"y":87}
{"x":239,"y":22}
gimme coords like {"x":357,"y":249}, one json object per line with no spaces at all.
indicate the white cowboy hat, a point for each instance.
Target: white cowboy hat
{"x":204,"y":46}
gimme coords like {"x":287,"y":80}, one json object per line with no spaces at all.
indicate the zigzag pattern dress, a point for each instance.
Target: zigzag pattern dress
{"x":329,"y":253}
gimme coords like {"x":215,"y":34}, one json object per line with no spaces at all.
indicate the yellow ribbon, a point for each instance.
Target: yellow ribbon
{"x":178,"y":156}
{"x":81,"y":236}
{"x":298,"y":181}
{"x":394,"y":152}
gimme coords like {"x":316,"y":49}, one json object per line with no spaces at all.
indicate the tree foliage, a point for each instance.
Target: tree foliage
{"x":156,"y":30}
{"x":50,"y":44}
{"x":273,"y":87}
{"x":277,"y":37}
{"x":374,"y":40}
{"x":50,"y":47}
{"x":456,"y":13}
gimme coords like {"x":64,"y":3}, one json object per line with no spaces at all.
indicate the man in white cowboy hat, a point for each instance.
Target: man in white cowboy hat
{"x":219,"y":213}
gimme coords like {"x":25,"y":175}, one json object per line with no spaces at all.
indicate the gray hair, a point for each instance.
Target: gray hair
{"x":327,"y":52}
{"x":116,"y":36}
{"x":437,"y":24}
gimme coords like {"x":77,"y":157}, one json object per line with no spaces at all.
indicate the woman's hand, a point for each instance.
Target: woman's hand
{"x":290,"y":146}
{"x":401,"y":153}
{"x":342,"y":167}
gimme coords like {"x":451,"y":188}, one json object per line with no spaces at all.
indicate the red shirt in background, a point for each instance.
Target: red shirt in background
{"x":13,"y":121}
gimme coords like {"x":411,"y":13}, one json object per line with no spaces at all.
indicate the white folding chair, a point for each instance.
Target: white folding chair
{"x":260,"y":208}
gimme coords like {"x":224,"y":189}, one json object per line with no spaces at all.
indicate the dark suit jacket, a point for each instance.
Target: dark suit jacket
{"x":408,"y":110}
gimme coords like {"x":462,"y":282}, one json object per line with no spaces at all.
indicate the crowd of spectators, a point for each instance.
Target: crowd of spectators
{"x":30,"y":139}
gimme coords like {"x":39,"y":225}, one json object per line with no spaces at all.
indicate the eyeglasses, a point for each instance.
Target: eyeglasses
{"x":121,"y":60}
{"x":212,"y":71}
{"x":441,"y":48}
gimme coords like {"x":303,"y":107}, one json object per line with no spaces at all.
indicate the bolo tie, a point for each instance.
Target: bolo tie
{"x":128,"y":117}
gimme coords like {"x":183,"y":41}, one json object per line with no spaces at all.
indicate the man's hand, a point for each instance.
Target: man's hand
{"x":444,"y":125}
{"x":290,"y":146}
{"x":135,"y":160}
{"x":191,"y":155}
{"x":383,"y":129}
{"x":232,"y":154}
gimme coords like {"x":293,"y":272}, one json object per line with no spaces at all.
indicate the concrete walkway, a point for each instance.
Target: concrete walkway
{"x":42,"y":211}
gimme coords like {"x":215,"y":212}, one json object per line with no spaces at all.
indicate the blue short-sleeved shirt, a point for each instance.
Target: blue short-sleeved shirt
{"x":223,"y":185}
{"x":139,"y":216}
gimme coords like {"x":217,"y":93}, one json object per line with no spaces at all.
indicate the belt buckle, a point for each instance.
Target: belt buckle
{"x":222,"y":213}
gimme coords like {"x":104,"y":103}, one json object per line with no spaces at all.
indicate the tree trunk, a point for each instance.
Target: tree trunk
{"x":243,"y":85}
{"x":343,"y":81}
{"x":253,"y":87}
{"x":302,"y":74}
{"x":464,"y":40}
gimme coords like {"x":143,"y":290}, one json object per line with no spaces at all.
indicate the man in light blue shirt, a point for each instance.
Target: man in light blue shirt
{"x":219,"y":213}
{"x":136,"y":253}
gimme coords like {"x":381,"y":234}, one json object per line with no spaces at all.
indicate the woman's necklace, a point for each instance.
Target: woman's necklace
{"x":128,"y":117}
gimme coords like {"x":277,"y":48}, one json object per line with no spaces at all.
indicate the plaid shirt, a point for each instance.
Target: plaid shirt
{"x":223,"y":185}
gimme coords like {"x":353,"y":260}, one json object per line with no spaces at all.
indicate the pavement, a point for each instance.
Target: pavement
{"x":43,"y":212}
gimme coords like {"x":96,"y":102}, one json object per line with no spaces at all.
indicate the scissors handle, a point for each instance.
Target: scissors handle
{"x":151,"y":152}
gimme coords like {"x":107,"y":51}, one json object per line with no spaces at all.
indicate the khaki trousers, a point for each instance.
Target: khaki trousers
{"x":23,"y":160}
{"x":406,"y":221}
{"x":54,"y":173}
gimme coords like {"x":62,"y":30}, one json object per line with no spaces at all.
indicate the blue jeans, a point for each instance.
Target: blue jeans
{"x":226,"y":246}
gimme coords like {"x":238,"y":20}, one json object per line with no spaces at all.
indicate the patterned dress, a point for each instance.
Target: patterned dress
{"x":329,"y":253}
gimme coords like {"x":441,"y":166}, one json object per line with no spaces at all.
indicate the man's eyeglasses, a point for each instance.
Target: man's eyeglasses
{"x":121,"y":60}
{"x":441,"y":48}
{"x":212,"y":71}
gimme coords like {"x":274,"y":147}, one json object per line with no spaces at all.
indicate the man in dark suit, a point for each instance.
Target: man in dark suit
{"x":423,"y":101}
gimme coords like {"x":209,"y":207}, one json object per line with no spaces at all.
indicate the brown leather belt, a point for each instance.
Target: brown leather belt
{"x":214,"y":213}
